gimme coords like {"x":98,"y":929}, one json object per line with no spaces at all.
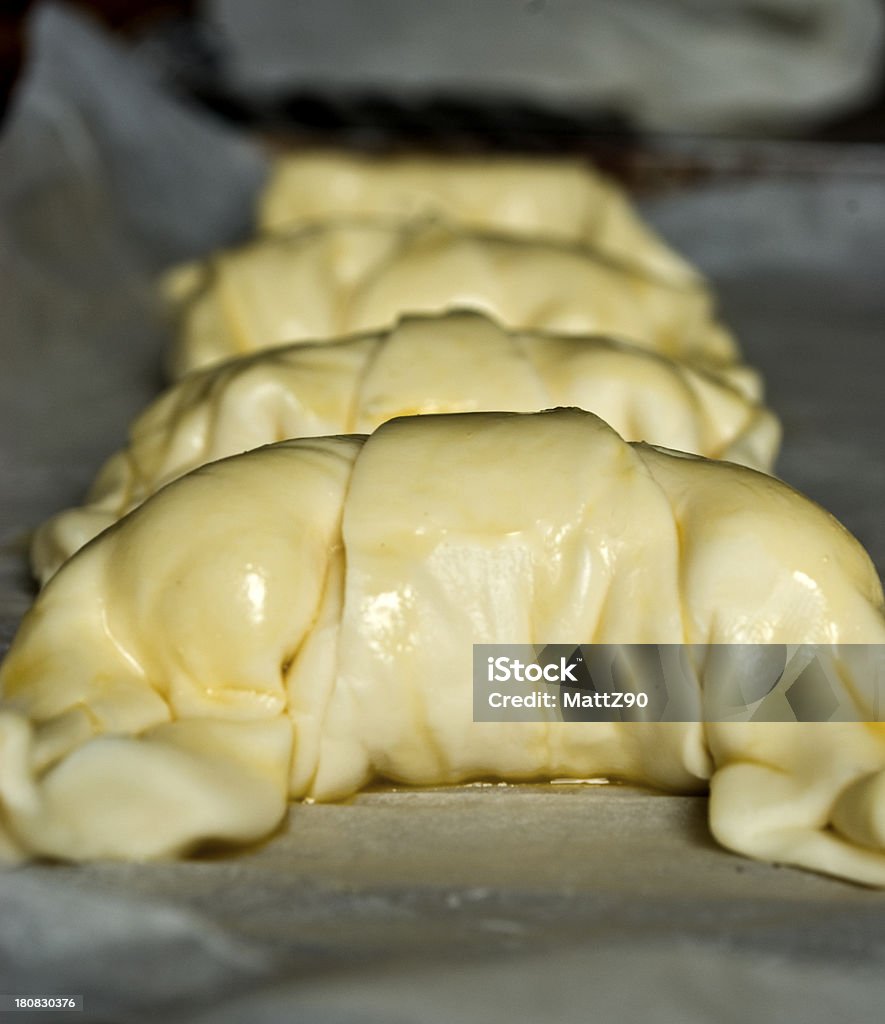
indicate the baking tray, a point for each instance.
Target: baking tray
{"x":486,"y":902}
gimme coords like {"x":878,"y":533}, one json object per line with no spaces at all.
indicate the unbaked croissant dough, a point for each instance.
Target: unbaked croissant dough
{"x":294,"y":621}
{"x":459,"y":362}
{"x":343,"y":277}
{"x":559,"y":199}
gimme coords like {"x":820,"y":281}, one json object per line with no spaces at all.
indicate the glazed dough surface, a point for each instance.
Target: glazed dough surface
{"x":342,"y":277}
{"x":558,"y":199}
{"x":459,"y":362}
{"x":297,"y":620}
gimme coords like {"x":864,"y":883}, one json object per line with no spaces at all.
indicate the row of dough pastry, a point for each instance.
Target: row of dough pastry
{"x":351,"y":242}
{"x":299,"y":619}
{"x":294,"y":621}
{"x":457,"y":362}
{"x":566,"y":254}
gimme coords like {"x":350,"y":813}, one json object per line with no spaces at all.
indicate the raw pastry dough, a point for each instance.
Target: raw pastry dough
{"x":460,"y":362}
{"x":339,"y":278}
{"x":557,"y":199}
{"x":293,"y":621}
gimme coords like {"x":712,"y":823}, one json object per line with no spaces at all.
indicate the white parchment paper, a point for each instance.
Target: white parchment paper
{"x":488,"y":903}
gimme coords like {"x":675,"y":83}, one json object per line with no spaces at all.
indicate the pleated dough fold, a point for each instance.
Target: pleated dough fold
{"x":341,"y":277}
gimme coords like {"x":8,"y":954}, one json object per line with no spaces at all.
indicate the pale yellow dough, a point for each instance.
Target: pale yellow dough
{"x":560,"y":199}
{"x":459,"y":362}
{"x":294,"y":621}
{"x":347,"y":276}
